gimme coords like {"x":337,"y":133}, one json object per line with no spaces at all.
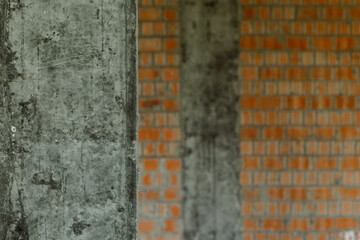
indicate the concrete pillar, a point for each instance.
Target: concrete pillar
{"x":68,"y":119}
{"x":209,"y":73}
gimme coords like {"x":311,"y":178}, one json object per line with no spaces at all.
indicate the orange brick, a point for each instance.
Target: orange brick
{"x":298,"y":133}
{"x":345,"y":74}
{"x":145,"y":59}
{"x":148,"y":103}
{"x":308,"y":14}
{"x":248,"y":43}
{"x":151,"y":164}
{"x":272,"y":225}
{"x":271,"y":43}
{"x":245,"y":27}
{"x":298,"y":225}
{"x":350,"y":163}
{"x":270,"y":102}
{"x":297,"y":194}
{"x":147,"y":28}
{"x":322,"y":43}
{"x":296,"y":102}
{"x":248,"y":12}
{"x":149,"y":134}
{"x":152,"y":195}
{"x":249,"y":73}
{"x":170,"y":194}
{"x":171,"y":105}
{"x":272,"y":209}
{"x":170,"y":44}
{"x":245,"y":178}
{"x":170,"y":226}
{"x":174,"y":211}
{"x":170,"y":74}
{"x":251,"y":194}
{"x":170,"y":14}
{"x":148,"y":74}
{"x":273,"y":133}
{"x":171,"y":134}
{"x":324,"y":132}
{"x":264,"y":12}
{"x":174,"y":180}
{"x":248,"y":103}
{"x":250,"y":163}
{"x":147,"y":180}
{"x":297,"y":44}
{"x":276,"y":193}
{"x":173,"y":164}
{"x":175,"y":88}
{"x":173,"y":28}
{"x":248,"y":133}
{"x":273,"y":163}
{"x":324,"y":224}
{"x":345,"y":102}
{"x":333,"y":13}
{"x":349,"y":193}
{"x":348,"y":132}
{"x":354,"y":13}
{"x":322,"y":194}
{"x":250,"y":224}
{"x":146,"y":226}
{"x":296,"y":74}
{"x":149,"y":44}
{"x":346,"y":223}
{"x":321,"y":74}
{"x":345,"y":43}
{"x":271,"y":73}
{"x":159,"y":58}
{"x":146,"y":14}
{"x":299,"y":163}
{"x":159,"y":28}
{"x":321,"y":102}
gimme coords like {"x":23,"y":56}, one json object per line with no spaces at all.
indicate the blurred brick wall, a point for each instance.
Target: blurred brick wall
{"x":299,"y":70}
{"x":299,"y":116}
{"x":159,"y":132}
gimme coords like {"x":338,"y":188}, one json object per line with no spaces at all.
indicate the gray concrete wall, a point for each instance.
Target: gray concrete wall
{"x":209,"y":73}
{"x":68,"y":119}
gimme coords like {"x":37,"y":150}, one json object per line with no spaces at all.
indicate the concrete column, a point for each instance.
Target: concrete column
{"x":209,"y":73}
{"x":68,"y":119}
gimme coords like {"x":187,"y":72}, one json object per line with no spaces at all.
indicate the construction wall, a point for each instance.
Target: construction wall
{"x":296,"y":132}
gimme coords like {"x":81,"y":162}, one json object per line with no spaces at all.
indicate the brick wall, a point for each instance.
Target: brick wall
{"x":159,"y":133}
{"x":298,"y":71}
{"x":299,"y":116}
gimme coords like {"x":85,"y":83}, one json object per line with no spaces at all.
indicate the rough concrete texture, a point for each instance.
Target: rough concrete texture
{"x":209,"y":36}
{"x":68,"y":119}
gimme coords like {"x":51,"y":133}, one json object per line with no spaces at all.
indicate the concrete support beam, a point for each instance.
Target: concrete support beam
{"x":209,"y":73}
{"x":68,"y":119}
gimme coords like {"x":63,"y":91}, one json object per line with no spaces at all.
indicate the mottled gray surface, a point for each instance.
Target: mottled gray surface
{"x":209,"y":32}
{"x":68,"y":119}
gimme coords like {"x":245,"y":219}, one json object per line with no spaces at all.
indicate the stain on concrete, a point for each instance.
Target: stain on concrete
{"x":68,"y":119}
{"x":210,"y":151}
{"x":78,"y":227}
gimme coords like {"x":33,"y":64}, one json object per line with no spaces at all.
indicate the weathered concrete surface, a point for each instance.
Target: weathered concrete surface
{"x":209,"y":32}
{"x":68,"y":119}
